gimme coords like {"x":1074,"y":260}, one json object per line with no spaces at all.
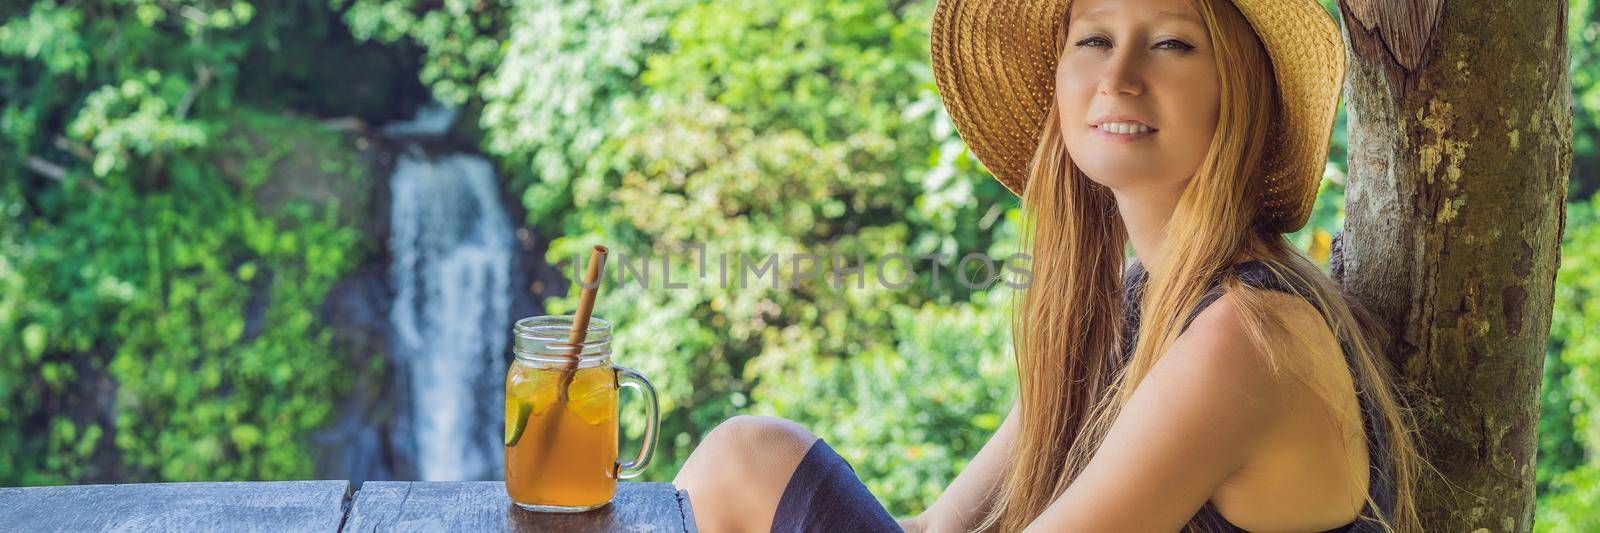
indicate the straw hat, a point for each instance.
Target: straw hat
{"x":994,"y":63}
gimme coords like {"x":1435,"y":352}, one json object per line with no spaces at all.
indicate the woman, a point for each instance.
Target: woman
{"x":1219,"y":382}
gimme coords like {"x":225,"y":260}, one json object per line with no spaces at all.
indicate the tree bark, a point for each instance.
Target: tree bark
{"x":1460,"y":144}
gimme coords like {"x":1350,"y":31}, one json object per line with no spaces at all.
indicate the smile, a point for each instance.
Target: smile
{"x":1123,"y":131}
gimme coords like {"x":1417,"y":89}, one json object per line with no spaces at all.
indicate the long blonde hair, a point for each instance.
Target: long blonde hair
{"x":1067,"y":324}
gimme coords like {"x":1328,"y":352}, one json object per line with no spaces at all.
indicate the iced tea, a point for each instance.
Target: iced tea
{"x":561,"y":456}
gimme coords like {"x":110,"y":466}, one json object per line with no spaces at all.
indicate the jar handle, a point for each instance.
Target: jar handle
{"x":628,"y":378}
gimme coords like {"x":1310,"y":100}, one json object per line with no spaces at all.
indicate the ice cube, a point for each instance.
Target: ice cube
{"x":592,"y":396}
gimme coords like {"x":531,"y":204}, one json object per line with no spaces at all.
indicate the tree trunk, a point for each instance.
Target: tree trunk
{"x":1460,"y":144}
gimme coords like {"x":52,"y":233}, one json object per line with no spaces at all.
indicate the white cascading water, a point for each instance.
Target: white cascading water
{"x":451,"y":244}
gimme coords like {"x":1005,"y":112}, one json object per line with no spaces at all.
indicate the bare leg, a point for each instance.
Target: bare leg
{"x":737,"y":474}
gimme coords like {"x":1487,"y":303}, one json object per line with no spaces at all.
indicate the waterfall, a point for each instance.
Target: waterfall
{"x":451,"y":244}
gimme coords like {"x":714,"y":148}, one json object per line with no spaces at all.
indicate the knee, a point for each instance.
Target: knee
{"x":737,"y":475}
{"x":749,"y":435}
{"x":747,"y":443}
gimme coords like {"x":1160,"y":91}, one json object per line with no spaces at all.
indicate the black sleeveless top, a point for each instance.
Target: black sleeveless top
{"x":1256,"y":274}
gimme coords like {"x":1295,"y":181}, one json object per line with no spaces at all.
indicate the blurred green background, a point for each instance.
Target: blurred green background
{"x":183,"y":183}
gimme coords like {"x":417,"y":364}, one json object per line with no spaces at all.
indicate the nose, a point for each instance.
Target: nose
{"x":1121,"y":74}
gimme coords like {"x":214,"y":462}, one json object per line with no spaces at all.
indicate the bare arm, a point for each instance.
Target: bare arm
{"x":967,"y":498}
{"x":1204,"y":409}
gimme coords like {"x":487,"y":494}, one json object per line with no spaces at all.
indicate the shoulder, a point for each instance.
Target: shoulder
{"x":1283,"y":315}
{"x":1221,"y":350}
{"x":1208,"y":407}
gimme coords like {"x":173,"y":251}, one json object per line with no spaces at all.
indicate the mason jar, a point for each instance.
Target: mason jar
{"x":562,"y":450}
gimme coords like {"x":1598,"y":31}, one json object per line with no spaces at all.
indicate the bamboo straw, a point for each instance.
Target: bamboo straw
{"x":580,"y":331}
{"x":580,"y":320}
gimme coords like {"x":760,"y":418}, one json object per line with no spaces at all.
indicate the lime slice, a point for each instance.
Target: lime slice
{"x":532,"y":386}
{"x":517,"y":412}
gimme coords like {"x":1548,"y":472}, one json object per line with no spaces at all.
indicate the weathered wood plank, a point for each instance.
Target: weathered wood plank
{"x":484,"y":506}
{"x":275,"y":507}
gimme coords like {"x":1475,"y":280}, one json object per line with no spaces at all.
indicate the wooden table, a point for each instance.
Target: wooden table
{"x":484,"y":506}
{"x":324,"y":506}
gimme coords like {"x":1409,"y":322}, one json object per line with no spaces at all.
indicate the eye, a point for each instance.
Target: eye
{"x":1089,"y":40}
{"x":1176,"y":45}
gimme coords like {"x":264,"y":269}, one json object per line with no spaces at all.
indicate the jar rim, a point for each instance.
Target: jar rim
{"x":543,"y":339}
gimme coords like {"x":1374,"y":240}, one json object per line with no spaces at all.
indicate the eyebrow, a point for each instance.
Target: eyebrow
{"x":1181,"y":15}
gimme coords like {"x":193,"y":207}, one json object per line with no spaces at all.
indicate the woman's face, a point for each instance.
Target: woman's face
{"x":1137,"y":88}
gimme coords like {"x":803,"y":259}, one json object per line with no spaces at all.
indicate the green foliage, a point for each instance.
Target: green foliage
{"x":153,"y":290}
{"x":461,"y":39}
{"x":134,"y":118}
{"x":209,"y":422}
{"x":569,"y":70}
{"x":1560,"y":449}
{"x":1583,"y":38}
{"x":1570,"y":508}
{"x":1569,"y":430}
{"x":139,"y":268}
